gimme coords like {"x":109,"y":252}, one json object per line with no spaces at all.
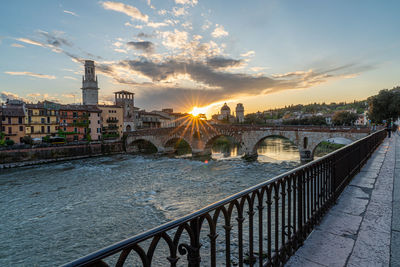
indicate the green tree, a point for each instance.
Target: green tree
{"x":385,"y":105}
{"x":344,"y":118}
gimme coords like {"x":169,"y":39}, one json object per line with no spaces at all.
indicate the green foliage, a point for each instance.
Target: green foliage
{"x":9,"y":142}
{"x":2,"y":140}
{"x":253,"y":118}
{"x":314,"y":120}
{"x":385,"y":105}
{"x":46,"y":139}
{"x":326,"y":147}
{"x":88,"y":137}
{"x":344,"y":118}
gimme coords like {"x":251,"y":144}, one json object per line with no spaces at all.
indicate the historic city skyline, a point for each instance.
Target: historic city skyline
{"x":187,"y":53}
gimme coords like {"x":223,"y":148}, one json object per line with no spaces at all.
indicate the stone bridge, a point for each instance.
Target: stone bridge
{"x":201,"y":136}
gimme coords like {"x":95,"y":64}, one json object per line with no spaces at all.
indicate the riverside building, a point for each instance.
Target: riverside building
{"x":12,"y":122}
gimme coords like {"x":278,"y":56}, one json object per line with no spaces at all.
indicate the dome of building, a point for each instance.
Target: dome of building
{"x":225,"y":108}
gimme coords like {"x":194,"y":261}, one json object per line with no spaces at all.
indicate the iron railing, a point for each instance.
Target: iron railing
{"x":260,"y":226}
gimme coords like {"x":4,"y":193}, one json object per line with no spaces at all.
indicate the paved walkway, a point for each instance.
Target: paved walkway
{"x":358,"y":230}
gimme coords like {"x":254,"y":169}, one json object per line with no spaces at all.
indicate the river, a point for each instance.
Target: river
{"x":54,"y":213}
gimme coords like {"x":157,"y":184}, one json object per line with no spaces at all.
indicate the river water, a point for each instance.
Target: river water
{"x":54,"y":213}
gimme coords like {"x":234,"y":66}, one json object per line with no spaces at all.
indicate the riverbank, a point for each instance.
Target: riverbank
{"x":34,"y":156}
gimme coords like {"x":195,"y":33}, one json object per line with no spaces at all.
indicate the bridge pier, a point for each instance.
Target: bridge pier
{"x":201,"y":154}
{"x":306,"y":155}
{"x":250,"y":156}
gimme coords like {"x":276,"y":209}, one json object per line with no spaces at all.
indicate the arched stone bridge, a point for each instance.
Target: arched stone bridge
{"x":306,"y":138}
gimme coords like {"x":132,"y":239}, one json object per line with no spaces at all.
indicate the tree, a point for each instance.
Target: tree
{"x":385,"y":105}
{"x":344,"y":118}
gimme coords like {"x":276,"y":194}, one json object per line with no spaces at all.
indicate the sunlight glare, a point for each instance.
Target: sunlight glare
{"x":196,"y":111}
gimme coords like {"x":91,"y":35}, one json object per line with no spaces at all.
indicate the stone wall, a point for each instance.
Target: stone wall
{"x":64,"y":152}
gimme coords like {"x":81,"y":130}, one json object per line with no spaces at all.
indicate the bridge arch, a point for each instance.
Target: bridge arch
{"x":142,"y":145}
{"x":170,"y":146}
{"x":257,"y":145}
{"x":322,"y":139}
{"x":210,"y":141}
{"x":269,"y":135}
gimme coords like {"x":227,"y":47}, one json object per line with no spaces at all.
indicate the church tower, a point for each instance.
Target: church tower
{"x":240,"y":113}
{"x":90,"y":89}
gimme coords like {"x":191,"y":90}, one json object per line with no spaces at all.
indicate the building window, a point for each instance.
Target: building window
{"x":75,"y":115}
{"x":64,"y":121}
{"x":48,"y":129}
{"x":48,"y":119}
{"x":65,"y":129}
{"x":9,"y":130}
{"x":21,"y":128}
{"x":32,"y":129}
{"x":20,"y":120}
{"x":42,"y":120}
{"x":98,"y":130}
{"x":9,"y":120}
{"x":3,"y":128}
{"x":75,"y":130}
{"x":98,"y":122}
{"x":42,"y":128}
{"x":4,"y":118}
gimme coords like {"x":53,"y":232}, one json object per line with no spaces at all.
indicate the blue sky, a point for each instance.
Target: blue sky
{"x":181,"y":53}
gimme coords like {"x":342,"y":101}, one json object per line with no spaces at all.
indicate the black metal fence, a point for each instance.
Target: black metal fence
{"x":260,"y":226}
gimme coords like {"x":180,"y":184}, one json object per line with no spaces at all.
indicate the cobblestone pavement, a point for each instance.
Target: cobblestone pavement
{"x":358,"y":230}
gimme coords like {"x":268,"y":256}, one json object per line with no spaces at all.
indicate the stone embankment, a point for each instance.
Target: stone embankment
{"x":32,"y":156}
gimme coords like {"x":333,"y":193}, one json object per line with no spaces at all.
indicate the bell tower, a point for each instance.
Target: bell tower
{"x":90,"y":89}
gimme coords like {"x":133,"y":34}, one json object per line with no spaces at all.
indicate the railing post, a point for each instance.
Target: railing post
{"x":193,"y":257}
{"x":300,"y":207}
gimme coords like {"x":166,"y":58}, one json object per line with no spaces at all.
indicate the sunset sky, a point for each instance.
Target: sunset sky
{"x":185,"y":53}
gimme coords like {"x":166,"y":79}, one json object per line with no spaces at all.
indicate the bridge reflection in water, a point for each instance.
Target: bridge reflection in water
{"x":271,"y":149}
{"x":263,"y":225}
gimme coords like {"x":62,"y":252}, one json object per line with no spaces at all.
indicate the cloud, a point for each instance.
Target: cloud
{"x":17,"y":45}
{"x":156,"y":24}
{"x":206,"y":25}
{"x":145,"y":35}
{"x":54,"y":40}
{"x":219,"y":31}
{"x":221,"y":62}
{"x":128,"y":24}
{"x":175,"y":39}
{"x":120,"y":51}
{"x":31,"y":74}
{"x":186,"y":2}
{"x":210,"y":83}
{"x":8,"y":95}
{"x":69,"y":95}
{"x":71,"y":78}
{"x":70,"y":12}
{"x":145,"y":46}
{"x":118,"y":44}
{"x":128,"y":10}
{"x":29,"y":41}
{"x":179,"y":11}
{"x":250,"y":53}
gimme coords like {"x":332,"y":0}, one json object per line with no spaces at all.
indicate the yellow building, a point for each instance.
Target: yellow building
{"x":42,"y":119}
{"x":12,"y":118}
{"x":112,"y":118}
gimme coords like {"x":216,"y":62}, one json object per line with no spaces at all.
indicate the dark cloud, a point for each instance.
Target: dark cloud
{"x":145,"y":46}
{"x":145,"y":35}
{"x":221,"y":62}
{"x":54,"y":40}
